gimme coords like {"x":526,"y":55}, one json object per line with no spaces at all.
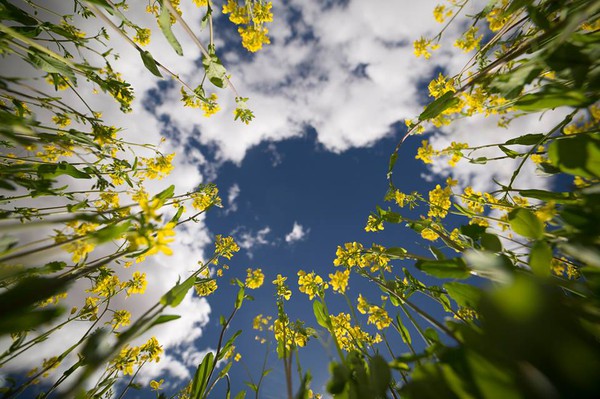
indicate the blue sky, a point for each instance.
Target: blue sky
{"x":330,"y":96}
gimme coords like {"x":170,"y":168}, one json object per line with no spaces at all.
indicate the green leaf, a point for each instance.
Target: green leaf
{"x":541,"y":101}
{"x":496,"y":267}
{"x":339,"y":375}
{"x":491,"y":242}
{"x":165,"y":318}
{"x":510,"y":153}
{"x":177,"y":215}
{"x":203,"y":371}
{"x":240,"y":395}
{"x":50,"y":64}
{"x":439,"y":105}
{"x":164,"y":22}
{"x":404,"y":333}
{"x":547,"y":195}
{"x":465,"y":295}
{"x":111,"y":232}
{"x":150,"y":63}
{"x":540,"y":258}
{"x":11,"y":12}
{"x":50,"y":171}
{"x":228,"y":345}
{"x":215,"y":71}
{"x":166,"y":193}
{"x":578,"y":155}
{"x":380,"y":375}
{"x":176,"y":294}
{"x":28,"y":320}
{"x":524,"y":222}
{"x":396,"y":251}
{"x":446,"y":268}
{"x":240,"y":298}
{"x":320,"y":314}
{"x":527,"y":139}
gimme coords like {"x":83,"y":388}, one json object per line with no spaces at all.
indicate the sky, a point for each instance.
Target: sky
{"x":330,"y":95}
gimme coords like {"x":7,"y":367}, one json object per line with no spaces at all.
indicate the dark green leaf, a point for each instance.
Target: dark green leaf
{"x":50,"y":171}
{"x":111,"y":232}
{"x":339,"y":375}
{"x":491,"y":242}
{"x":509,"y":153}
{"x":524,"y":222}
{"x":527,"y":139}
{"x":547,"y":195}
{"x":11,"y":12}
{"x":438,"y":106}
{"x":203,"y":372}
{"x":549,"y":100}
{"x":149,"y":63}
{"x":380,"y":375}
{"x":447,"y":268}
{"x":225,"y":350}
{"x":404,"y":333}
{"x":50,"y":64}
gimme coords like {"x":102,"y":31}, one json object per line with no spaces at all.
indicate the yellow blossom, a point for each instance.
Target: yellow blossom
{"x":237,"y":14}
{"x":261,"y":13}
{"x":120,"y":318}
{"x":440,"y":86}
{"x":142,"y":36}
{"x":374,"y":224}
{"x":339,"y":280}
{"x":237,"y":357}
{"x":422,"y":47}
{"x":425,"y":152}
{"x":207,"y":287}
{"x":311,"y":284}
{"x":137,"y":284}
{"x":210,"y":106}
{"x":429,"y":234}
{"x":254,"y":278}
{"x":225,"y":246}
{"x":379,"y":317}
{"x":363,"y":305}
{"x":439,"y":201}
{"x":282,"y":290}
{"x":156,"y":385}
{"x":440,"y":13}
{"x":469,"y":40}
{"x":253,"y":37}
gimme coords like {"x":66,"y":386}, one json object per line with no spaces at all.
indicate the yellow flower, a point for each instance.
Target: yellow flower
{"x":142,"y":36}
{"x":159,"y":167}
{"x":210,"y":107}
{"x":425,"y":152}
{"x":261,"y":13}
{"x":205,"y":198}
{"x":237,"y":357}
{"x":440,"y":86}
{"x":259,"y":322}
{"x":156,"y":385}
{"x":206,"y":288}
{"x":469,"y":41}
{"x":254,"y":278}
{"x":282,"y":290}
{"x":439,"y":201}
{"x":429,"y":234}
{"x":120,"y":318}
{"x":253,"y":37}
{"x":137,"y":284}
{"x":339,"y":280}
{"x":61,"y":120}
{"x":379,"y":317}
{"x":374,"y":224}
{"x":440,"y":13}
{"x":350,"y":255}
{"x":151,"y":350}
{"x":200,"y":3}
{"x":238,"y":15}
{"x":225,"y":246}
{"x":422,"y":47}
{"x":311,"y":284}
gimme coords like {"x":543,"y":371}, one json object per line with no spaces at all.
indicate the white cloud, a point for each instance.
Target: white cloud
{"x":298,"y":233}
{"x":232,"y":194}
{"x":250,"y":241}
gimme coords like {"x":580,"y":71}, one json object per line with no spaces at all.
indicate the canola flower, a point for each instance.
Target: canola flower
{"x":254,"y":278}
{"x":339,"y":280}
{"x":282,"y":290}
{"x":225,"y":246}
{"x":422,"y":47}
{"x":311,"y":284}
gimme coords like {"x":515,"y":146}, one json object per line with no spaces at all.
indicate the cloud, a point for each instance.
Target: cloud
{"x":298,"y":233}
{"x":232,"y":194}
{"x":250,"y":241}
